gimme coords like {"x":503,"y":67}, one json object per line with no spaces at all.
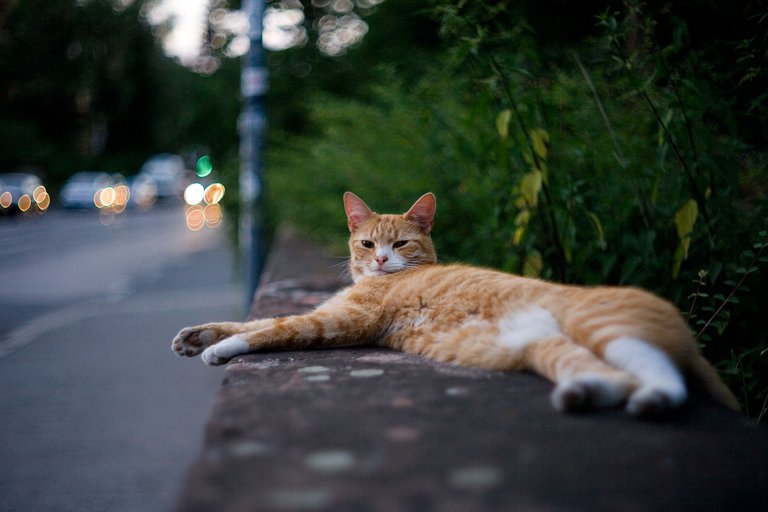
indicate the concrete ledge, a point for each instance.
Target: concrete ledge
{"x":376,"y":430}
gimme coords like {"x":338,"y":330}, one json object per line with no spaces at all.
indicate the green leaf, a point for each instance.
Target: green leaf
{"x":540,"y":140}
{"x":685,"y":218}
{"x":502,"y":123}
{"x":530,"y":186}
{"x":533,"y":264}
{"x":598,"y":227}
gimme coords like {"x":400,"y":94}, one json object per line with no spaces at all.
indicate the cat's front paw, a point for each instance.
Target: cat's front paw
{"x":193,"y":340}
{"x":225,"y":350}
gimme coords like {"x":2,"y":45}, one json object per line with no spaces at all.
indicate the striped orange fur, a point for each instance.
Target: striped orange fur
{"x":600,"y":346}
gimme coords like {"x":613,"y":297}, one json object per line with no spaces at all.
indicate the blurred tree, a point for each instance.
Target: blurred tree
{"x":85,"y":85}
{"x":400,"y":38}
{"x":76,"y":83}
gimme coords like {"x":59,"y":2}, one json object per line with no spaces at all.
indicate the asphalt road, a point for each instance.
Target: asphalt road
{"x":96,"y":412}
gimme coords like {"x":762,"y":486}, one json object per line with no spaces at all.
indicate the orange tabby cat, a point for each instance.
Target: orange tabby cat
{"x":602,"y":347}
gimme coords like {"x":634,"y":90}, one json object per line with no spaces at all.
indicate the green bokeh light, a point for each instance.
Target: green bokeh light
{"x":204,"y":166}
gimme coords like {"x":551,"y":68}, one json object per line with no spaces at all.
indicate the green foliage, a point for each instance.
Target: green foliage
{"x":609,"y":159}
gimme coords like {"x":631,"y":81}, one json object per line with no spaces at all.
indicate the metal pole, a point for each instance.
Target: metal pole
{"x":253,"y":120}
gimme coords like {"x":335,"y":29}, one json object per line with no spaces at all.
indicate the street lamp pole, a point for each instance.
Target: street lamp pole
{"x":252,"y":126}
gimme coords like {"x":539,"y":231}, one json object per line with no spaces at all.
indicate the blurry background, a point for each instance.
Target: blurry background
{"x":618,"y":142}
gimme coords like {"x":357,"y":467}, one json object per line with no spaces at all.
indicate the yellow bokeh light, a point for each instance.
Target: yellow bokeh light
{"x":5,"y":199}
{"x":25,"y":202}
{"x":213,"y":215}
{"x":39,"y":194}
{"x":195,"y":218}
{"x":122,"y":194}
{"x":213,"y":193}
{"x":44,"y":202}
{"x":107,"y":197}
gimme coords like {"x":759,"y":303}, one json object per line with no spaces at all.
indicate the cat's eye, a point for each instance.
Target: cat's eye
{"x":399,"y":244}
{"x":367,"y":244}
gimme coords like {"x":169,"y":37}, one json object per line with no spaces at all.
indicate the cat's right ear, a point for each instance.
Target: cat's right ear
{"x":357,"y":211}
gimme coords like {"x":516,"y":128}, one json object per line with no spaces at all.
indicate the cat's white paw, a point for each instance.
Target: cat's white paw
{"x":225,"y":350}
{"x":192,"y":340}
{"x":653,"y":400}
{"x":662,"y":386}
{"x":584,"y":392}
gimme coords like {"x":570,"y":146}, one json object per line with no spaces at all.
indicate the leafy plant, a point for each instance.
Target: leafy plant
{"x":611,"y":160}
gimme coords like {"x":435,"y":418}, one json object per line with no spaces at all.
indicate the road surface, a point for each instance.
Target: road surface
{"x":96,"y":412}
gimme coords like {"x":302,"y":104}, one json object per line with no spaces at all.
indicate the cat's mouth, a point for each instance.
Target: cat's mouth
{"x":380,"y":272}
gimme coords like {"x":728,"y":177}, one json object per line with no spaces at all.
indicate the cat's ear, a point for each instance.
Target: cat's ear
{"x":357,"y":211}
{"x":423,"y":212}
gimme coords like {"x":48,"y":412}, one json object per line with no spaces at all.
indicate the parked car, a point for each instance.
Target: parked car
{"x":22,"y":193}
{"x":143,"y":191}
{"x":80,"y":190}
{"x":168,"y":173}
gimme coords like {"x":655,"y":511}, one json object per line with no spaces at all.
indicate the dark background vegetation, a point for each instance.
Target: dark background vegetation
{"x":618,"y":142}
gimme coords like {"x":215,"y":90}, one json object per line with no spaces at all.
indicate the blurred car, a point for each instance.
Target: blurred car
{"x":143,"y":191}
{"x":82,"y":189}
{"x":22,"y":193}
{"x":168,"y":173}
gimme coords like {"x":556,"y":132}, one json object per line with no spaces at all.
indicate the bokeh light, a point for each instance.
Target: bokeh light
{"x":283,"y":27}
{"x":213,"y":216}
{"x":25,"y":202}
{"x":204,"y":166}
{"x":213,"y":193}
{"x":44,"y":201}
{"x":6,"y":199}
{"x":107,"y":197}
{"x":39,"y":194}
{"x":194,"y":194}
{"x":195,"y":218}
{"x":122,"y":194}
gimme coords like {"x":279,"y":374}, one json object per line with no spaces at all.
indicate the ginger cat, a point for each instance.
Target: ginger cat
{"x":601,"y":346}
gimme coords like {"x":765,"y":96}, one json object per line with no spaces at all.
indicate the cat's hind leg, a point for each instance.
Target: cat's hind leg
{"x":662,"y":386}
{"x":582,"y":380}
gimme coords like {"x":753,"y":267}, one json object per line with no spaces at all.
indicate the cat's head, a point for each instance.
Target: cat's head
{"x":384,"y":244}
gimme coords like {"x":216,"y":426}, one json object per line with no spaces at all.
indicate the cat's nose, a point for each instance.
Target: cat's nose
{"x":381,"y":260}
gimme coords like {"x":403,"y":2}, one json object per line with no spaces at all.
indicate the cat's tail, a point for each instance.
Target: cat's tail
{"x":704,"y":377}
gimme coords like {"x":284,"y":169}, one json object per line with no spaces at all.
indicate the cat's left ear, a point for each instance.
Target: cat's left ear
{"x":357,"y":211}
{"x":423,"y":212}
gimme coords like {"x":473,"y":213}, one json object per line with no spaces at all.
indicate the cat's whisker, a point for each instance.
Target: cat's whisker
{"x":343,"y":268}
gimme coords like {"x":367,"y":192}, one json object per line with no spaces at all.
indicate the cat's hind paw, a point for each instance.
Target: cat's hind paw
{"x":651,"y":401}
{"x":225,"y":350}
{"x":586,"y":392}
{"x":191,"y":341}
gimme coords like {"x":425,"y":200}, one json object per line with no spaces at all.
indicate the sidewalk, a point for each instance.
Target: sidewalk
{"x":377,"y":430}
